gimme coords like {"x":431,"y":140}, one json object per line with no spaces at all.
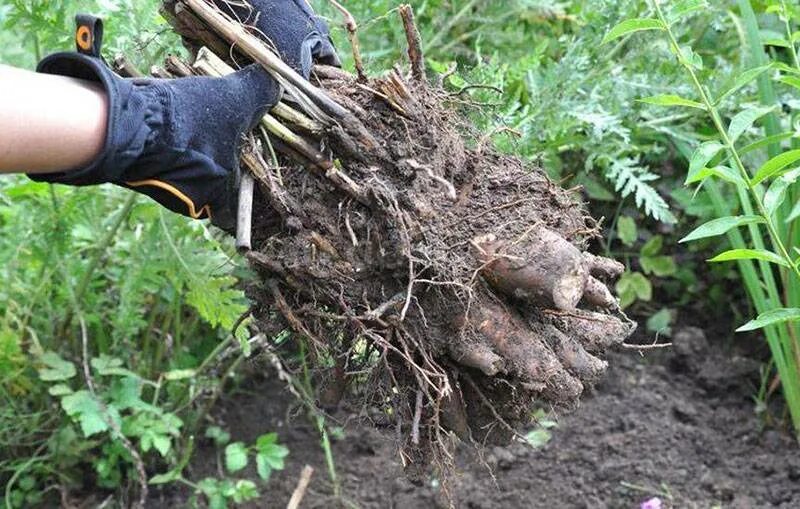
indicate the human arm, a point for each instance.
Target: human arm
{"x":49,"y":122}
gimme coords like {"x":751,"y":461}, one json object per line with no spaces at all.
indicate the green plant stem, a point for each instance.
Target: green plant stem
{"x":729,"y":145}
{"x":94,"y":262}
{"x":782,"y":342}
{"x":792,"y":47}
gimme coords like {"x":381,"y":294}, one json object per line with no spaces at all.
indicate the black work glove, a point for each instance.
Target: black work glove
{"x":298,"y":34}
{"x":176,"y":141}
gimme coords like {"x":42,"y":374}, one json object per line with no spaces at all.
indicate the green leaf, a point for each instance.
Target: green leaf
{"x":781,"y":43}
{"x":749,"y":254}
{"x":721,"y":226}
{"x":744,"y":120}
{"x":769,"y":140}
{"x":776,"y":194}
{"x":244,"y":490}
{"x":56,"y":369}
{"x":86,"y":410}
{"x":60,"y":390}
{"x":103,"y":363}
{"x":538,"y":438}
{"x":774,"y":166}
{"x":725,"y":173}
{"x":771,"y":317}
{"x":219,"y":435}
{"x":793,"y":81}
{"x":701,"y":157}
{"x":632,"y":286}
{"x":626,"y":230}
{"x":179,"y":374}
{"x":660,"y":322}
{"x":661,"y":266}
{"x":795,"y":213}
{"x":684,"y":8}
{"x":742,"y":80}
{"x":630,"y":26}
{"x":235,"y":457}
{"x":166,"y":477}
{"x":262,"y":467}
{"x":671,"y":100}
{"x":162,"y":443}
{"x":653,"y":246}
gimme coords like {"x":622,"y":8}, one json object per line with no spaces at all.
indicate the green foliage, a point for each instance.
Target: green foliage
{"x":152,"y":295}
{"x":562,"y":94}
{"x":541,"y":435}
{"x":765,"y":260}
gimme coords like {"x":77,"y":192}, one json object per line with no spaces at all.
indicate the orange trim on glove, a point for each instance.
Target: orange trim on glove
{"x":193,"y":212}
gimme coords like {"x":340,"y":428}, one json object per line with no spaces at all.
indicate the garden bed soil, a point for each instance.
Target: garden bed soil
{"x":678,"y":424}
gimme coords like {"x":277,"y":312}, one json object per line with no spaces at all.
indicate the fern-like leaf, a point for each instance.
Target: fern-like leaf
{"x":630,"y":178}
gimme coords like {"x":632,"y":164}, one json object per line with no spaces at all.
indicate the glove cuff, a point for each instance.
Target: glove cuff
{"x":122,"y":145}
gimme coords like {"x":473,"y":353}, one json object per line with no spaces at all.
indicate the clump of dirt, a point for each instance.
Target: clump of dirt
{"x":445,"y":289}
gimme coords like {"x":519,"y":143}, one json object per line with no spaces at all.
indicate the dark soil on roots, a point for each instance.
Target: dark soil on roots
{"x":431,"y":275}
{"x":676,"y":424}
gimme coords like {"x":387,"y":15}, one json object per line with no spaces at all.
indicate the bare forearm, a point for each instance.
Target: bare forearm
{"x":49,"y":123}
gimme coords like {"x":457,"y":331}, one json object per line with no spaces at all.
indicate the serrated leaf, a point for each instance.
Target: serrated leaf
{"x":56,"y":369}
{"x":671,"y":100}
{"x":701,"y":157}
{"x":743,"y":80}
{"x":749,"y":254}
{"x":744,"y":120}
{"x":721,"y":226}
{"x":631,"y":178}
{"x":630,"y":26}
{"x":772,"y":317}
{"x":217,"y":300}
{"x":82,"y":407}
{"x":235,"y":457}
{"x":774,"y":166}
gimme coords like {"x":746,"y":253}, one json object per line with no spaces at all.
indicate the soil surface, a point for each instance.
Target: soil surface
{"x":677,"y":424}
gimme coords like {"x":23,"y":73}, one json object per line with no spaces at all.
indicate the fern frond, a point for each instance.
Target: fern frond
{"x":630,"y":178}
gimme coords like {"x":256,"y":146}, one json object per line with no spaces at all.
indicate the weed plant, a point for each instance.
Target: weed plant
{"x":748,"y":153}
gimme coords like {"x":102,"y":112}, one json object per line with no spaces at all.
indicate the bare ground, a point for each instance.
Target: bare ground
{"x":677,"y":424}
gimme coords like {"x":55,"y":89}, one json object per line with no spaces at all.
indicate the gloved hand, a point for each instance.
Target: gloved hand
{"x":177,"y":141}
{"x":298,"y":34}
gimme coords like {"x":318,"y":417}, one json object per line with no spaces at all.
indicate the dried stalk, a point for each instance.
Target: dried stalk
{"x":177,"y":66}
{"x":244,"y":215}
{"x":253,"y":47}
{"x":415,"y":54}
{"x":125,"y":68}
{"x":206,"y":64}
{"x":352,"y":35}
